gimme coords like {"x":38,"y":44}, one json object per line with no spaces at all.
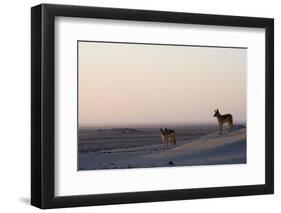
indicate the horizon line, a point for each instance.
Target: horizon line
{"x":151,"y":124}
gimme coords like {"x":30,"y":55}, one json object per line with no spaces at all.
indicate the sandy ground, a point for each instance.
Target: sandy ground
{"x":214,"y":148}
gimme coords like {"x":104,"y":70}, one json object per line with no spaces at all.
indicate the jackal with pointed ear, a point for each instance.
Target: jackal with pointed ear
{"x":168,"y":136}
{"x":227,"y":118}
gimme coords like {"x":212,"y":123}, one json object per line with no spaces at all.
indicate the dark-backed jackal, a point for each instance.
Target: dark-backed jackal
{"x":168,"y":136}
{"x":227,"y":118}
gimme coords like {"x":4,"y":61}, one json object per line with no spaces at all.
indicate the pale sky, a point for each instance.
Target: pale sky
{"x":129,"y":84}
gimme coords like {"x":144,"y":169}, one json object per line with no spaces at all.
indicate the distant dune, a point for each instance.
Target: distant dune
{"x":119,"y":130}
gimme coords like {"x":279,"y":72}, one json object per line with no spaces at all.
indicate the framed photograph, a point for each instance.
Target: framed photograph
{"x":139,"y":106}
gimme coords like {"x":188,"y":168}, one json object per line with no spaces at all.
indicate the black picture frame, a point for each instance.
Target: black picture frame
{"x":43,"y":102}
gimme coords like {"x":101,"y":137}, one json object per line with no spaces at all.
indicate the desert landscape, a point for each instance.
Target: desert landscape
{"x":144,"y":105}
{"x":142,"y":147}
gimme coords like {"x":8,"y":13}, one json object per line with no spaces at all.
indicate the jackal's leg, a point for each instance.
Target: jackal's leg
{"x":230,"y":124}
{"x":170,"y":143}
{"x":220,"y":128}
{"x":165,"y":142}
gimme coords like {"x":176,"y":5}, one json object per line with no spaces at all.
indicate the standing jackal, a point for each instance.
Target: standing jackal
{"x":227,"y":118}
{"x":168,"y":136}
